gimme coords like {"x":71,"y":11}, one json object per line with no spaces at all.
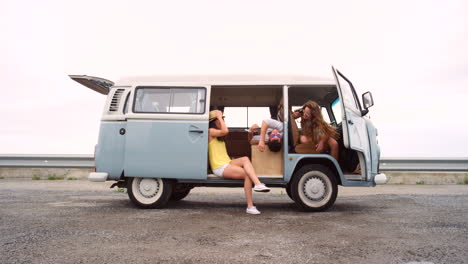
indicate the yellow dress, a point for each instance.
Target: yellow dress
{"x":217,"y":153}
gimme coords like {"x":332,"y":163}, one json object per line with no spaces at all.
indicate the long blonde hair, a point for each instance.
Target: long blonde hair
{"x":316,"y":124}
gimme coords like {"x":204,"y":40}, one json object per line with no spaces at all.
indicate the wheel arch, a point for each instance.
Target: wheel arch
{"x":329,"y":162}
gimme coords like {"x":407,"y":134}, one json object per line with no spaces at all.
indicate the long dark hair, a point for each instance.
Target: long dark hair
{"x":212,"y":124}
{"x":316,"y":123}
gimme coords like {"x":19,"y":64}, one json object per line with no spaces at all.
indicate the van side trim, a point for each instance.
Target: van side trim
{"x":168,"y":121}
{"x":113,"y":122}
{"x":296,"y":158}
{"x":168,"y":116}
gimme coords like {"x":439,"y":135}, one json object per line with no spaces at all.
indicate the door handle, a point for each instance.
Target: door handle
{"x":350,"y":122}
{"x":196,"y":131}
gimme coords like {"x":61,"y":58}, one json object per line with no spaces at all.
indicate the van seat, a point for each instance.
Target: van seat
{"x":295,"y":130}
{"x":266,"y":162}
{"x":237,"y":144}
{"x":306,"y":148}
{"x":256,"y":139}
{"x":299,"y":147}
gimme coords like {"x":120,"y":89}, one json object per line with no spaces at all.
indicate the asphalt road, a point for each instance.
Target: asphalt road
{"x":82,"y":222}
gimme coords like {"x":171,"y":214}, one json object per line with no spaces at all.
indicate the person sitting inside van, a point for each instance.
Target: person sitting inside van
{"x":223,"y":166}
{"x":271,"y":130}
{"x":315,"y":130}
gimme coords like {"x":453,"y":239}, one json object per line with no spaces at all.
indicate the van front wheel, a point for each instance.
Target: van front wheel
{"x":288,"y":191}
{"x":314,"y":188}
{"x":149,"y":192}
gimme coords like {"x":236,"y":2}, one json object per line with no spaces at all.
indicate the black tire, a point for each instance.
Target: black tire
{"x":179,"y":195}
{"x":288,"y":191}
{"x":149,"y":193}
{"x":314,"y":188}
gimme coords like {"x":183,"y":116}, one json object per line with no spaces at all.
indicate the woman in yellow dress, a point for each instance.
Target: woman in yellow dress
{"x":223,"y":166}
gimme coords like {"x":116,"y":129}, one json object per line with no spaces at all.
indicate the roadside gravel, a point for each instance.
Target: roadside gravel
{"x":83,"y":222}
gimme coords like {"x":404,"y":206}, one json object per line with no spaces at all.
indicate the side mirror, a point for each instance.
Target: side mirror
{"x":367,"y":100}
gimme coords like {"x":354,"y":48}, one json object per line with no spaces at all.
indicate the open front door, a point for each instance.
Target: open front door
{"x":355,"y":134}
{"x":97,"y":84}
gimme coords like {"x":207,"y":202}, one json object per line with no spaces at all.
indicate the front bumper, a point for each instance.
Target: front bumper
{"x":98,"y":176}
{"x":380,"y":178}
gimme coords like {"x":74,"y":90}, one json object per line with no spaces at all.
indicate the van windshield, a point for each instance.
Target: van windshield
{"x":337,"y":110}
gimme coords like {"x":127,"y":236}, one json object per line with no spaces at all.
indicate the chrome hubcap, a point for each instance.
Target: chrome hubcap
{"x":314,"y":189}
{"x":148,"y":188}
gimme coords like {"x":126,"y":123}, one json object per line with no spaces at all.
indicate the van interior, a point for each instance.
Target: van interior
{"x":244,"y":106}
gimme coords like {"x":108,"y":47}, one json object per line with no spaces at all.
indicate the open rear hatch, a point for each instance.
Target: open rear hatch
{"x":97,"y":84}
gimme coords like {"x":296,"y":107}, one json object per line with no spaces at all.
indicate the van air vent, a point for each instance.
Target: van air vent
{"x":114,"y":105}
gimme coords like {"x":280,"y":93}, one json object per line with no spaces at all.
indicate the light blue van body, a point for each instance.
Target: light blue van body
{"x":171,"y":145}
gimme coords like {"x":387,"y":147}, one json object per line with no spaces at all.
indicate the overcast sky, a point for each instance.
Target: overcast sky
{"x":412,"y":55}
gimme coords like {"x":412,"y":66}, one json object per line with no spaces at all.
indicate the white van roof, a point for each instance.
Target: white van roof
{"x":250,"y":79}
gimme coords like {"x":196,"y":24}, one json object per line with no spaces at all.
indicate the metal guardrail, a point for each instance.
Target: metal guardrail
{"x":87,"y":161}
{"x":47,"y":161}
{"x":424,"y":164}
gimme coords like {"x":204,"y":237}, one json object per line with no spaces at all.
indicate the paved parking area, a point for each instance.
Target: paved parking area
{"x":82,"y":222}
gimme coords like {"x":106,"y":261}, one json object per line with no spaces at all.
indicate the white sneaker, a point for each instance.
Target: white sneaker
{"x":261,"y":188}
{"x":252,"y":210}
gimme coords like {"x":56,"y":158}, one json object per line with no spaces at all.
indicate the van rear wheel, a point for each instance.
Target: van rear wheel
{"x":314,"y":188}
{"x":179,"y":195}
{"x":149,"y":192}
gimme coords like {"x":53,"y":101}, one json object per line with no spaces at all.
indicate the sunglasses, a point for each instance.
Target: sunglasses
{"x":276,"y":135}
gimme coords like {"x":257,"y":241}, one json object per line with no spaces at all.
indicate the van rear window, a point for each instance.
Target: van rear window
{"x":245,"y":117}
{"x":170,"y":100}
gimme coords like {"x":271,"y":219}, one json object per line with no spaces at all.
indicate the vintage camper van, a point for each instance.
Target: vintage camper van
{"x":153,"y":138}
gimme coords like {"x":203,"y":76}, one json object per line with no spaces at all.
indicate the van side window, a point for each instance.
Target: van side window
{"x":169,"y":100}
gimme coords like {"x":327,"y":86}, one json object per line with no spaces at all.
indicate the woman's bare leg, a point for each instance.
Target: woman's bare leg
{"x":304,"y":140}
{"x":254,"y":127}
{"x":333,"y":145}
{"x":245,"y":163}
{"x":248,"y":192}
{"x":233,"y":171}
